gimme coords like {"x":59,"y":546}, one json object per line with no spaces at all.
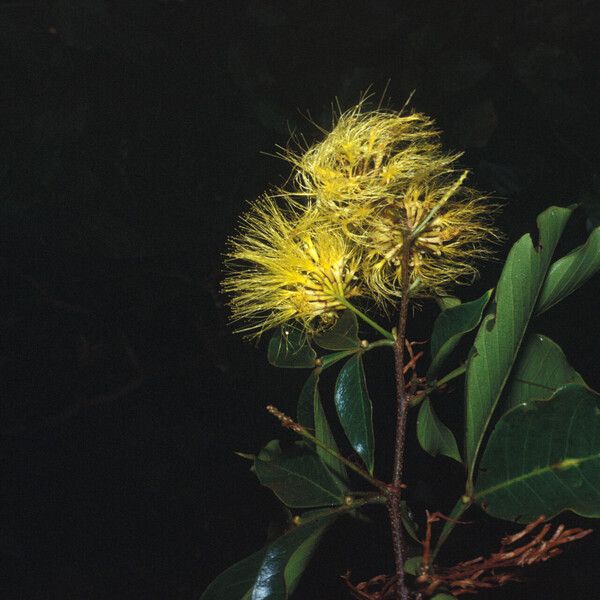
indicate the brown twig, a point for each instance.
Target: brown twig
{"x":402,"y":406}
{"x":289,"y":423}
{"x":470,"y":576}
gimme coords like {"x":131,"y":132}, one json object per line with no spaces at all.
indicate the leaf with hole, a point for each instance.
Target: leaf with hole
{"x":355,"y":410}
{"x":540,"y":370}
{"x":289,"y":348}
{"x":435,"y":438}
{"x":543,"y":457}
{"x":570,"y":272}
{"x":503,"y":327}
{"x":298,"y":476}
{"x":450,"y":326}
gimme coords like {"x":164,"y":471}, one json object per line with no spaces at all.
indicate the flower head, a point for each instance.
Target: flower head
{"x":286,"y":264}
{"x":367,"y":157}
{"x":446,"y":226}
{"x":375,"y":209}
{"x":383,"y":177}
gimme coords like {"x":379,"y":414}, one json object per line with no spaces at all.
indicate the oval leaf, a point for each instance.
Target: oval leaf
{"x":289,"y":348}
{"x":273,"y":572}
{"x":541,"y":369}
{"x":570,"y":272}
{"x":355,"y":410}
{"x":435,"y":438}
{"x":342,"y":336}
{"x":543,"y":458}
{"x":297,"y":476}
{"x":312,"y":416}
{"x":502,"y":329}
{"x":449,"y":327}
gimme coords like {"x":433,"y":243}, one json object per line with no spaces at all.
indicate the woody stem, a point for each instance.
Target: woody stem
{"x":402,"y":405}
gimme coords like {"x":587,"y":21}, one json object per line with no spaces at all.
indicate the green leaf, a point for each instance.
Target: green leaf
{"x":407,"y":520}
{"x":298,"y":561}
{"x":273,"y":572}
{"x":235,"y":582}
{"x":435,"y":438}
{"x":412,"y":565}
{"x":543,"y":458}
{"x":540,"y":370}
{"x":298,"y":476}
{"x":289,"y":348}
{"x":312,"y":416}
{"x":330,"y":359}
{"x":342,"y":336}
{"x":449,"y":327}
{"x":355,"y":410}
{"x":504,"y":325}
{"x":443,"y":597}
{"x":446,"y":302}
{"x":570,"y":272}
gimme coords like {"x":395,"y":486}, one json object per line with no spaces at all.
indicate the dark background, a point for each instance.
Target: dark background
{"x":131,"y":138}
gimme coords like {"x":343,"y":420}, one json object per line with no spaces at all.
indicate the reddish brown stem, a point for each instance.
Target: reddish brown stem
{"x":402,"y":405}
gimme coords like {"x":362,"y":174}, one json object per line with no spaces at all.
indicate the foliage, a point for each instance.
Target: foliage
{"x":532,"y":426}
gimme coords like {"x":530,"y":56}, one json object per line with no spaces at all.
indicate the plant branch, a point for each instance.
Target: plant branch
{"x":450,"y":376}
{"x":302,"y":431}
{"x":365,"y":318}
{"x":402,"y":406}
{"x":351,"y":504}
{"x":378,"y":343}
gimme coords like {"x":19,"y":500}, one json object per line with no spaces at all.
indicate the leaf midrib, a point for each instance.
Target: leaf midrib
{"x":535,"y":473}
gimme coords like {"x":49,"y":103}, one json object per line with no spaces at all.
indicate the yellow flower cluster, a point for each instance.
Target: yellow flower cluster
{"x":377,"y":184}
{"x":287,"y":264}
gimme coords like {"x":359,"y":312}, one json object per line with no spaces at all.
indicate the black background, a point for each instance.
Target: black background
{"x":131,"y":138}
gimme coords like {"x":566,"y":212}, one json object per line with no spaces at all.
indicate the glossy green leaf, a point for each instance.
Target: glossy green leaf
{"x":236,"y":582}
{"x":312,"y":416}
{"x":503,"y":327}
{"x":450,"y":326}
{"x":541,"y":369}
{"x":355,"y":410}
{"x":435,"y":438}
{"x":273,"y":572}
{"x":543,"y":458}
{"x":330,"y":359}
{"x":289,"y":348}
{"x":298,"y":476}
{"x":299,"y":560}
{"x":570,"y":272}
{"x":342,"y":336}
